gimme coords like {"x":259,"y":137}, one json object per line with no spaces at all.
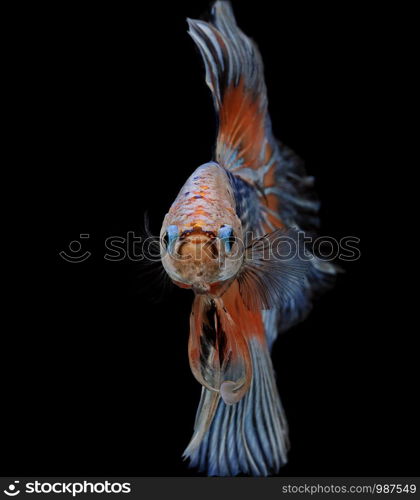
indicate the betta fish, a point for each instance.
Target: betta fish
{"x":225,"y":237}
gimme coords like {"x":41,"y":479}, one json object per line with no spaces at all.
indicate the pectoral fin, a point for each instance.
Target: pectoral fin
{"x":275,"y":271}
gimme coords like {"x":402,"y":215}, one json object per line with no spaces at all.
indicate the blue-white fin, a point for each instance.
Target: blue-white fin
{"x":280,"y":273}
{"x":249,"y":437}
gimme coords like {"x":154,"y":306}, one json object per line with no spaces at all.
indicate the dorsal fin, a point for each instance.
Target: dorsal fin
{"x":234,"y":73}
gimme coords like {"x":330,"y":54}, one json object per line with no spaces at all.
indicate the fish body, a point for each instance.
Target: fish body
{"x":223,"y":237}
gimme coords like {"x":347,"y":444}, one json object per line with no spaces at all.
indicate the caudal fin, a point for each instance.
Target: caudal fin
{"x":249,"y":437}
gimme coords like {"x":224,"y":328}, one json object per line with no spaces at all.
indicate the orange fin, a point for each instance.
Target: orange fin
{"x":235,"y":75}
{"x":218,"y":351}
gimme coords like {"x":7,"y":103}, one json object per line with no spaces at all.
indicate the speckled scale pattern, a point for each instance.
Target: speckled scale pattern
{"x":206,"y":201}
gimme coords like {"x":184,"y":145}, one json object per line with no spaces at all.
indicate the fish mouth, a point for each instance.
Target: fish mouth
{"x":197,"y":231}
{"x":198,"y":245}
{"x":197,"y":259}
{"x":199,"y":249}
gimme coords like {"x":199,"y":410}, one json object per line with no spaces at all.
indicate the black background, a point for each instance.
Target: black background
{"x":95,"y":371}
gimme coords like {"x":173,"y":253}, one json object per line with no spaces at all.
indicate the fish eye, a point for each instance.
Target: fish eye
{"x":231,"y":240}
{"x":227,"y":235}
{"x":170,"y":237}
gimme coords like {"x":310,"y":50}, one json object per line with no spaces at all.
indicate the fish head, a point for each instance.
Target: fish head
{"x":198,"y":257}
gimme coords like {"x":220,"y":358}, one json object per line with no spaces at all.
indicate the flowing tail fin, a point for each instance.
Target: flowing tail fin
{"x":249,"y":437}
{"x":240,"y":426}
